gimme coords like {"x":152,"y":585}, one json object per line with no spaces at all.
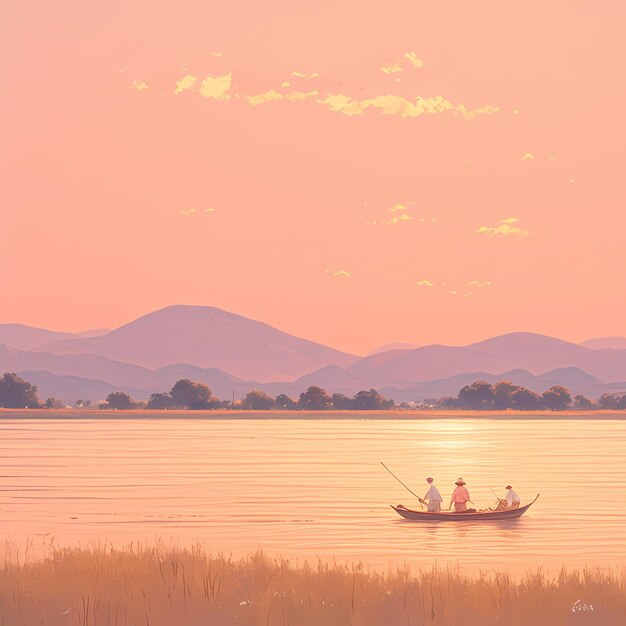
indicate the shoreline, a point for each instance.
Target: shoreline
{"x":387,"y":415}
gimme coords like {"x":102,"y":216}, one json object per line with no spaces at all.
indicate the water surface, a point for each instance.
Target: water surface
{"x":309,"y":488}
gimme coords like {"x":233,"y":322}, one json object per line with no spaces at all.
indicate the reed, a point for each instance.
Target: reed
{"x":167,"y":586}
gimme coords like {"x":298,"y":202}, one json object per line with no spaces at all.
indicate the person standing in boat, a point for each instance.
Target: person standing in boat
{"x":460,"y":497}
{"x":433,"y":497}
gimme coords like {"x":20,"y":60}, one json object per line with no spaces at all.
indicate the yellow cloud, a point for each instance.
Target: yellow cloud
{"x":187,"y":212}
{"x":425,"y":283}
{"x":404,"y":217}
{"x":414,"y":60}
{"x":273,"y":96}
{"x":480,"y":284}
{"x":391,"y":69}
{"x":398,"y":207}
{"x":209,"y":210}
{"x":340,"y":273}
{"x":301,"y":95}
{"x":307,"y":76}
{"x":216,"y":87}
{"x":527,"y":156}
{"x":140,"y":85}
{"x":184,"y":83}
{"x":343,"y":104}
{"x":216,"y":54}
{"x":268,"y":96}
{"x":505,"y":228}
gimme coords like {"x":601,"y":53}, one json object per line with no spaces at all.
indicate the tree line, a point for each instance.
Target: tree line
{"x":16,"y":392}
{"x":503,"y":395}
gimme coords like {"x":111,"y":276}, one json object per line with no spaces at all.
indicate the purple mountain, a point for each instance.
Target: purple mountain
{"x":605,"y":343}
{"x":208,"y":337}
{"x":529,"y":351}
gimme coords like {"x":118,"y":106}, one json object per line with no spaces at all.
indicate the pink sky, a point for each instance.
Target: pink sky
{"x":98,"y":172}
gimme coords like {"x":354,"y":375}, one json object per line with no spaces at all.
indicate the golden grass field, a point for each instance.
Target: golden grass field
{"x":165,"y":586}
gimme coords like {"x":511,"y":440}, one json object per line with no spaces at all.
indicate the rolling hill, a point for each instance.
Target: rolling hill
{"x":208,"y":337}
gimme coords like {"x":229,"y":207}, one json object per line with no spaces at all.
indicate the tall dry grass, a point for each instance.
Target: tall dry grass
{"x":161,"y":586}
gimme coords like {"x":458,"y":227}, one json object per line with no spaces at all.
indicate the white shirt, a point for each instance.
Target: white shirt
{"x":433,"y":494}
{"x":512,"y":497}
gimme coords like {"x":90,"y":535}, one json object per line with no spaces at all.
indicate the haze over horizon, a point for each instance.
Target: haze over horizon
{"x":334,"y":171}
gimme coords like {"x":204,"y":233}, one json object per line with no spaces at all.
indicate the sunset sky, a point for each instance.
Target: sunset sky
{"x":356,"y":173}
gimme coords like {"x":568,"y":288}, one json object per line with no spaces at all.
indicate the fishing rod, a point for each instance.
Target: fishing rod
{"x":495,"y":494}
{"x":407,"y":488}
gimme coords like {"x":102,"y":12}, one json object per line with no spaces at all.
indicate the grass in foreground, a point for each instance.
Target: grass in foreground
{"x":172,"y":587}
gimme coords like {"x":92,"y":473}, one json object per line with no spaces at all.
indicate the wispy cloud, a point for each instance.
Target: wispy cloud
{"x":221,"y":88}
{"x":394,"y":68}
{"x":303,"y":75}
{"x":185,"y":83}
{"x":192,"y":211}
{"x":216,"y":54}
{"x":505,"y":228}
{"x":398,"y":207}
{"x":425,"y":283}
{"x":528,"y":156}
{"x":403,"y":217}
{"x":340,"y":273}
{"x":273,"y":96}
{"x":140,"y":85}
{"x":478,"y":283}
{"x":398,"y":105}
{"x":414,"y":60}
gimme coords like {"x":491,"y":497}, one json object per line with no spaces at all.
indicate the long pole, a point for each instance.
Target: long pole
{"x":407,"y":488}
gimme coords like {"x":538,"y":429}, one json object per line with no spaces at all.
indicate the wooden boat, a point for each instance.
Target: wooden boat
{"x":451,"y":516}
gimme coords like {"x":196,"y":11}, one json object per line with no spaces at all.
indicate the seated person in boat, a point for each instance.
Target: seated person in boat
{"x":460,"y":497}
{"x":510,"y":501}
{"x":433,"y":497}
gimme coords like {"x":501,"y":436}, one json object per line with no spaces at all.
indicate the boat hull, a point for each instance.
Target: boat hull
{"x":450,"y":516}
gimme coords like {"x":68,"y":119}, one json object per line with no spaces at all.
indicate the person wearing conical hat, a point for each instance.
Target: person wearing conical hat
{"x":433,"y":497}
{"x":460,"y":497}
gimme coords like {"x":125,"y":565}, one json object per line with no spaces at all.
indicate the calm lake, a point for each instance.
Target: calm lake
{"x":308,"y":488}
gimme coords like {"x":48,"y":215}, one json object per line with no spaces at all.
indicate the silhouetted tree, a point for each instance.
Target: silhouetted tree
{"x":557,"y":398}
{"x":187,"y":394}
{"x":258,"y":401}
{"x":478,"y":395}
{"x":581,"y":402}
{"x":612,"y":401}
{"x":120,"y":401}
{"x":341,"y":402}
{"x":83,"y":404}
{"x":159,"y":402}
{"x":17,"y":393}
{"x":54,"y":403}
{"x":315,"y":399}
{"x":371,"y":401}
{"x":524,"y":399}
{"x":502,"y":393}
{"x":285,"y":403}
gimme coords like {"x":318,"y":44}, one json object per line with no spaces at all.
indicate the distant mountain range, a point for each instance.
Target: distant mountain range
{"x":207,"y":337}
{"x":28,"y":338}
{"x":233,"y":354}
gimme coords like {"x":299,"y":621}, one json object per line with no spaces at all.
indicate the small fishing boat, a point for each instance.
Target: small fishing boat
{"x":451,"y":516}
